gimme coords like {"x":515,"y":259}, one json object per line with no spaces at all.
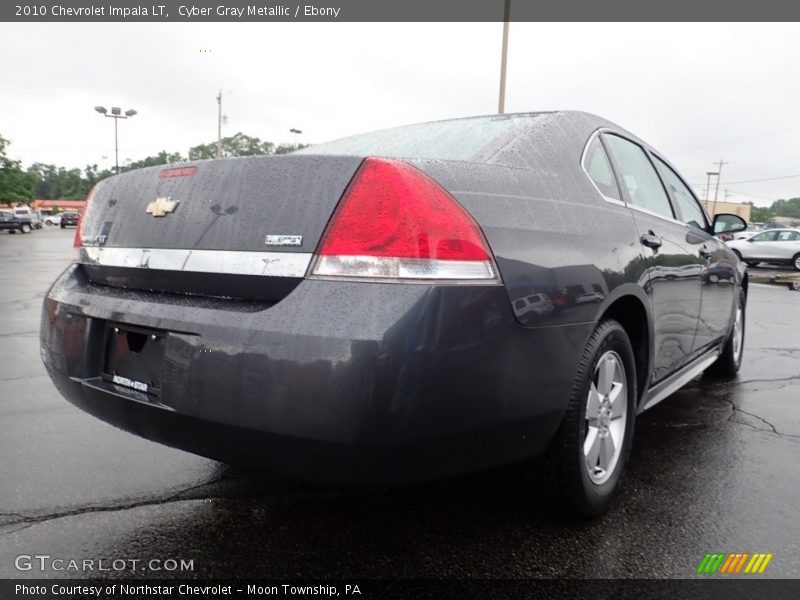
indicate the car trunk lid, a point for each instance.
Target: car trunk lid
{"x":244,"y":227}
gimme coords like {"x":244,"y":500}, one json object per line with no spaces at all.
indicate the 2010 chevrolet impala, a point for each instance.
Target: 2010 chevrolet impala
{"x":402,"y":305}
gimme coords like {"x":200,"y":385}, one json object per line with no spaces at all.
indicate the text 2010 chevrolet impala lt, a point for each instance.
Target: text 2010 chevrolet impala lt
{"x":402,"y":305}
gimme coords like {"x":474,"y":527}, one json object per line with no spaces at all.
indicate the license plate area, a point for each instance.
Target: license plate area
{"x":134,"y":358}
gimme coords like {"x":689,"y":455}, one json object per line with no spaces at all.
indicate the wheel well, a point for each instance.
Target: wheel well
{"x":629,"y":312}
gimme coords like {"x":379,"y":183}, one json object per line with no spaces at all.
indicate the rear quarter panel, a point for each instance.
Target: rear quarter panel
{"x":553,"y":234}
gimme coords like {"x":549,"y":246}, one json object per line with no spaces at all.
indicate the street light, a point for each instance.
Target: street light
{"x":116,"y":114}
{"x":295,"y":132}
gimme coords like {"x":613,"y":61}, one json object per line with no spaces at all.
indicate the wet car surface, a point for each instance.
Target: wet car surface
{"x":377,"y":340}
{"x":714,"y":468}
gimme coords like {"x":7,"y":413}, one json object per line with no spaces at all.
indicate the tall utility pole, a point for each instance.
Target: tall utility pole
{"x":708,"y":184}
{"x":219,"y":124}
{"x":501,"y":105}
{"x":719,"y":176}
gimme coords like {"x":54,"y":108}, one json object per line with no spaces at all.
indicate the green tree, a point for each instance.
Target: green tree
{"x":52,"y":182}
{"x":760,"y":214}
{"x":162,"y":158}
{"x":287,"y":148}
{"x":16,"y":185}
{"x":236,"y":145}
{"x":786,"y":208}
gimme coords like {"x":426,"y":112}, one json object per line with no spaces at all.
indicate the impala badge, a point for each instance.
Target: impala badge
{"x":284,"y":240}
{"x":161,"y":206}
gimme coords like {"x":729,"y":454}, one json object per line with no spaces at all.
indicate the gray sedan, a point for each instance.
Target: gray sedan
{"x":779,"y":246}
{"x":402,"y":305}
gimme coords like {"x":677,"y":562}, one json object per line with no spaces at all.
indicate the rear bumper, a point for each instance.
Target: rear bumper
{"x":338,"y":382}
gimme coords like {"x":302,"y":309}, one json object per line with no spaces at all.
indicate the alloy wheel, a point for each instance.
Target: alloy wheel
{"x":606,"y":416}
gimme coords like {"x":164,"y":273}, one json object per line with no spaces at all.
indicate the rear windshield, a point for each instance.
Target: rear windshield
{"x":474,"y":139}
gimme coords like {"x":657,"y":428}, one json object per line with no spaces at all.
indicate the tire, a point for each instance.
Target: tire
{"x":564,"y":479}
{"x":728,"y":363}
{"x":25,"y":228}
{"x":796,"y":261}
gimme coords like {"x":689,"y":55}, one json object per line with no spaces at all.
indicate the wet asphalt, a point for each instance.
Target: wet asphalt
{"x":716,"y":467}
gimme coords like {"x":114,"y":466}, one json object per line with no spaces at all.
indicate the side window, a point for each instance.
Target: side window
{"x":767,"y":236}
{"x":639,"y":176}
{"x":687,"y":204}
{"x":787,"y":236}
{"x":599,"y":169}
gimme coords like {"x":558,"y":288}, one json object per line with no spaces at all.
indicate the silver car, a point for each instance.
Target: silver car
{"x":778,"y":246}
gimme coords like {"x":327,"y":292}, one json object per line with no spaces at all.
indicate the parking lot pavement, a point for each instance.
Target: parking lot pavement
{"x":714,"y":468}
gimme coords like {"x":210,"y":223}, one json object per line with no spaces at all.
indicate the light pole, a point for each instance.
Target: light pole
{"x":501,"y":104}
{"x":295,"y":132}
{"x":116,"y":114}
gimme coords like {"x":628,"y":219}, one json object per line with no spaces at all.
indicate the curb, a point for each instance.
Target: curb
{"x":790,"y":281}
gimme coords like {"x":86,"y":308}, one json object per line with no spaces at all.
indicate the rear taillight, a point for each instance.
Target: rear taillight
{"x":395,"y":222}
{"x":77,"y":241}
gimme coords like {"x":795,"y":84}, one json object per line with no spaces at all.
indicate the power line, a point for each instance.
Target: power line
{"x":741,"y":193}
{"x":765,"y":179}
{"x":769,"y":132}
{"x":700,"y":183}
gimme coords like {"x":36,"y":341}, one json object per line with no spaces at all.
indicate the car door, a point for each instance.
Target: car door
{"x":786,"y":245}
{"x":672,"y":259}
{"x":718,"y":279}
{"x":759,"y":246}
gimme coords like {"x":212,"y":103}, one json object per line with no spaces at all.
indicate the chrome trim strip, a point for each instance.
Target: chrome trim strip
{"x":229,"y":262}
{"x":653,"y":213}
{"x":664,"y":389}
{"x":597,"y":133}
{"x":592,"y":137}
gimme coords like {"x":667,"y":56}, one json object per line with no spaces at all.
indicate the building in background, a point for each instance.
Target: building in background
{"x":47,"y":207}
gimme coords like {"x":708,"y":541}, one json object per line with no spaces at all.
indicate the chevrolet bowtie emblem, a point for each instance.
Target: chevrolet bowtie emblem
{"x":161,"y":206}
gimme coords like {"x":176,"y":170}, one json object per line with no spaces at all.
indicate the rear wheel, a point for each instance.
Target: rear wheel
{"x":582,"y":470}
{"x":25,"y":228}
{"x":796,"y":261}
{"x":730,"y":360}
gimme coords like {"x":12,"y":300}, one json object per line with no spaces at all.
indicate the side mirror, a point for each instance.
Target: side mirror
{"x":728,"y":223}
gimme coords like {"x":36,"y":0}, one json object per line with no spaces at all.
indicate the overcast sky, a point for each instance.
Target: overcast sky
{"x":698,"y":93}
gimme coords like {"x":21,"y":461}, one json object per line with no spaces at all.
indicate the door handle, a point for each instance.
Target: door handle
{"x":651,"y":240}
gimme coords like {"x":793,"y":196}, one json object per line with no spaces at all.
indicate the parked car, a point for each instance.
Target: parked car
{"x":12,"y":223}
{"x":752,"y":229}
{"x":69,"y":219}
{"x":775,"y":246}
{"x":52,"y":220}
{"x":348,"y":313}
{"x":28,"y":215}
{"x":536,"y":303}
